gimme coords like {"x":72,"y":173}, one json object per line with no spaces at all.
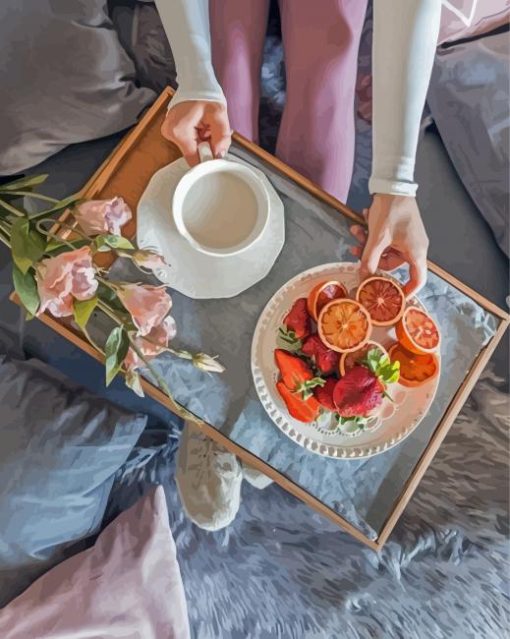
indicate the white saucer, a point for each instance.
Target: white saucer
{"x":191,"y":272}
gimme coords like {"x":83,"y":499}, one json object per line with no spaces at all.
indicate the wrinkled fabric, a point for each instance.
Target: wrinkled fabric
{"x":469,"y":101}
{"x":60,"y":447}
{"x":127,"y":585}
{"x":281,"y":571}
{"x":364,"y":492}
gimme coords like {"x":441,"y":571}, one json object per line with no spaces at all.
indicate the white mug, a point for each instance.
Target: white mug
{"x":221,"y":207}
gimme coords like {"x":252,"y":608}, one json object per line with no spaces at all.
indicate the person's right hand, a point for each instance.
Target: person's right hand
{"x":191,"y":122}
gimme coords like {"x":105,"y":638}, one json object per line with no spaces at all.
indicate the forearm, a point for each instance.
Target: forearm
{"x":405,"y":39}
{"x":186,"y":24}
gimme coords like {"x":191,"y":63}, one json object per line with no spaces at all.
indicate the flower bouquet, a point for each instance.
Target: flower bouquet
{"x":55,"y":270}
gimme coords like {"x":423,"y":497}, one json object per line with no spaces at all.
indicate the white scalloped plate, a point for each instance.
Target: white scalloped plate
{"x":412,"y":406}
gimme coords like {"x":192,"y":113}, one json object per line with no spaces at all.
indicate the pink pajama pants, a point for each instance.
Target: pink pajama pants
{"x":321,"y":41}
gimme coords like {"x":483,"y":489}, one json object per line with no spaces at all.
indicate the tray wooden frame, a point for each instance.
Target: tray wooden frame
{"x":147,"y":152}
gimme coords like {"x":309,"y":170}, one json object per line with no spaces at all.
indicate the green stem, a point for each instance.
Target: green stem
{"x":35,"y":196}
{"x":74,"y":229}
{"x":12,"y":209}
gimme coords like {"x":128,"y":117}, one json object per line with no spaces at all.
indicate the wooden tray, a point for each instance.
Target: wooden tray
{"x":127,"y":172}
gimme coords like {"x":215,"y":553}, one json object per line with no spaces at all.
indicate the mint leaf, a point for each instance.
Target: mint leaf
{"x":116,"y":349}
{"x":288,"y":340}
{"x":26,"y":289}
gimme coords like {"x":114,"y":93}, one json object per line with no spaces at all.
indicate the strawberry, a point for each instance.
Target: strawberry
{"x":324,"y":358}
{"x":324,"y":394}
{"x":358,"y":393}
{"x":297,"y":320}
{"x":297,"y":376}
{"x":303,"y":410}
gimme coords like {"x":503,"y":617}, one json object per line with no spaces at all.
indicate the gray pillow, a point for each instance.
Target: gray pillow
{"x":469,"y":101}
{"x":65,"y":79}
{"x":60,"y":448}
{"x":143,"y":37}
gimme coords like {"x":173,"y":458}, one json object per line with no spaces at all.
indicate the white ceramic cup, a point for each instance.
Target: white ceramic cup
{"x":220,"y":207}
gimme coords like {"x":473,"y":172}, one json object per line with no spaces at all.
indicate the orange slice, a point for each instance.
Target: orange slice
{"x":348,"y":360}
{"x":383,"y":298}
{"x":344,"y":325}
{"x":417,"y":331}
{"x":322,"y":294}
{"x":415,"y":369}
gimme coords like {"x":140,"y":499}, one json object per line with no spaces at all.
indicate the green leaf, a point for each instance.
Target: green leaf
{"x":26,"y":288}
{"x":23,"y":183}
{"x":116,"y":349}
{"x":305,"y":389}
{"x":61,"y":205}
{"x":83,"y":309}
{"x":27,"y":244}
{"x":134,"y":382}
{"x":106,"y":242}
{"x":56,"y":248}
{"x":288,"y":341}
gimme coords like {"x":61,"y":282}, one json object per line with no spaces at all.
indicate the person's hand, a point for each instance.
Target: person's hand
{"x":189,"y":123}
{"x":395,"y":235}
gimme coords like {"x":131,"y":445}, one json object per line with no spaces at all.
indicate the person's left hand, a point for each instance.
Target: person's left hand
{"x":395,"y":235}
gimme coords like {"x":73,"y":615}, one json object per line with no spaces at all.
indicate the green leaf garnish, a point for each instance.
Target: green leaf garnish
{"x":305,"y":389}
{"x":288,"y":340}
{"x":381,"y":366}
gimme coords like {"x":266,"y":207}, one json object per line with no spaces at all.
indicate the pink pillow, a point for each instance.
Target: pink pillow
{"x":467,"y":18}
{"x":127,"y":585}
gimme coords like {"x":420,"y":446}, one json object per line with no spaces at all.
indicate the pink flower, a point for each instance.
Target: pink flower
{"x":147,"y":305}
{"x":152,"y":344}
{"x":103,"y":216}
{"x":149,"y":260}
{"x":61,"y":279}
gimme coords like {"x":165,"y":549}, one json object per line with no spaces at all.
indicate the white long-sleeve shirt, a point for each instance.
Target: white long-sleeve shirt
{"x":405,"y":38}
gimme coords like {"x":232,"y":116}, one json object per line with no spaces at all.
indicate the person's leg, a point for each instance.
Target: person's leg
{"x":317,"y":134}
{"x":238,"y":29}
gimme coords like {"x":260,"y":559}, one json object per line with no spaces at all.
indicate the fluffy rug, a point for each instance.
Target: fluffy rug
{"x":281,"y":571}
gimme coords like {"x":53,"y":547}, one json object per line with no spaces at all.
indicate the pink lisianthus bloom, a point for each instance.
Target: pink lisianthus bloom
{"x":149,"y":260}
{"x":102,"y":216}
{"x":63,"y":278}
{"x":153,"y":344}
{"x":148,"y":305}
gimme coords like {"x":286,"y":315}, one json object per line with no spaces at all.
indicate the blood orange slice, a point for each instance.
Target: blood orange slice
{"x":344,"y":325}
{"x":383,"y":298}
{"x":417,"y":331}
{"x":415,"y":369}
{"x":349,"y":360}
{"x":322,"y":294}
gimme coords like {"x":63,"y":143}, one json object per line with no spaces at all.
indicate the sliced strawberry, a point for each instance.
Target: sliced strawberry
{"x":324,"y":394}
{"x":324,"y":358}
{"x":298,"y":319}
{"x":358,"y":393}
{"x":303,"y":410}
{"x":296,"y":374}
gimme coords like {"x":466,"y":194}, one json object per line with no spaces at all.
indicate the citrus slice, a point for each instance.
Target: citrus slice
{"x":322,"y":294}
{"x":348,"y":360}
{"x":344,"y":325}
{"x":383,"y":298}
{"x":415,"y":369}
{"x":417,"y":331}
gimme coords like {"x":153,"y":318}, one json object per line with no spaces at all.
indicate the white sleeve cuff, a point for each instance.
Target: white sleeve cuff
{"x":391,"y":187}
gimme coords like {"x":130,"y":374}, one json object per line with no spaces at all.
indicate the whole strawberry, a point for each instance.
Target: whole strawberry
{"x":324,"y":358}
{"x":297,"y":321}
{"x":358,"y":393}
{"x":324,"y":394}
